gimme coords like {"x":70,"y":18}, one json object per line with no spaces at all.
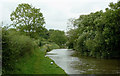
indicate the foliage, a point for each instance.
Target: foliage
{"x":97,"y":34}
{"x":51,"y":46}
{"x":27,"y":34}
{"x":57,"y":37}
{"x":71,"y":35}
{"x":28,"y":19}
{"x":14,"y":46}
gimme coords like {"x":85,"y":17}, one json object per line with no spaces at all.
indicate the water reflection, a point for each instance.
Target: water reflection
{"x":83,"y":65}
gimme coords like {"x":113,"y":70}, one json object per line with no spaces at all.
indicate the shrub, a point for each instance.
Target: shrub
{"x":51,"y":46}
{"x":14,"y":46}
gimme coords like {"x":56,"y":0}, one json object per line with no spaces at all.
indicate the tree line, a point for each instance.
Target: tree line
{"x":97,"y":34}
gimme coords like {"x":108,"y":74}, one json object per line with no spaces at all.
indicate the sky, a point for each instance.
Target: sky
{"x":56,"y":12}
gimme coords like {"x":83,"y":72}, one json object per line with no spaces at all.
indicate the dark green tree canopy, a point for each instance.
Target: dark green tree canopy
{"x":97,"y":34}
{"x":27,"y":18}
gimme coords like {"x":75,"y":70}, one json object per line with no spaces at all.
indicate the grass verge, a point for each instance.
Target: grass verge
{"x":37,"y":63}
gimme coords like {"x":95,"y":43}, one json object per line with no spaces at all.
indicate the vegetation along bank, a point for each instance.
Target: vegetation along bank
{"x":97,"y":34}
{"x":25,"y":42}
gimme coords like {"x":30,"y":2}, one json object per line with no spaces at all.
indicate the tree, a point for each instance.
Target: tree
{"x":58,"y":37}
{"x":27,"y":19}
{"x":97,"y":34}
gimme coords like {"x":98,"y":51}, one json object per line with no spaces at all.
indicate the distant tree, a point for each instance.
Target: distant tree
{"x":27,"y":19}
{"x":58,"y":37}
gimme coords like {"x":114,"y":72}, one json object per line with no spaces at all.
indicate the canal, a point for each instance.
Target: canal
{"x":83,"y":65}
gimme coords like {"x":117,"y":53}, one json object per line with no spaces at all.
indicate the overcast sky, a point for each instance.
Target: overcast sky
{"x":56,"y":12}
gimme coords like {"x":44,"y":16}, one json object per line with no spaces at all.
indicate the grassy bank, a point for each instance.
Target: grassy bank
{"x":37,"y":63}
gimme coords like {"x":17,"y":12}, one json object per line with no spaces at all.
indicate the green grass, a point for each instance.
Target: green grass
{"x":37,"y":63}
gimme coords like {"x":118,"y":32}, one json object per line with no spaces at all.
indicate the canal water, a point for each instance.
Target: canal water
{"x":83,"y":65}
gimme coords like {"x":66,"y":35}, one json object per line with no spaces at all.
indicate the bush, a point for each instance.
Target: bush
{"x":14,"y":46}
{"x":51,"y":46}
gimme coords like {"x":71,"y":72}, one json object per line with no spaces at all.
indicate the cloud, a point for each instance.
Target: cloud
{"x":56,"y":12}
